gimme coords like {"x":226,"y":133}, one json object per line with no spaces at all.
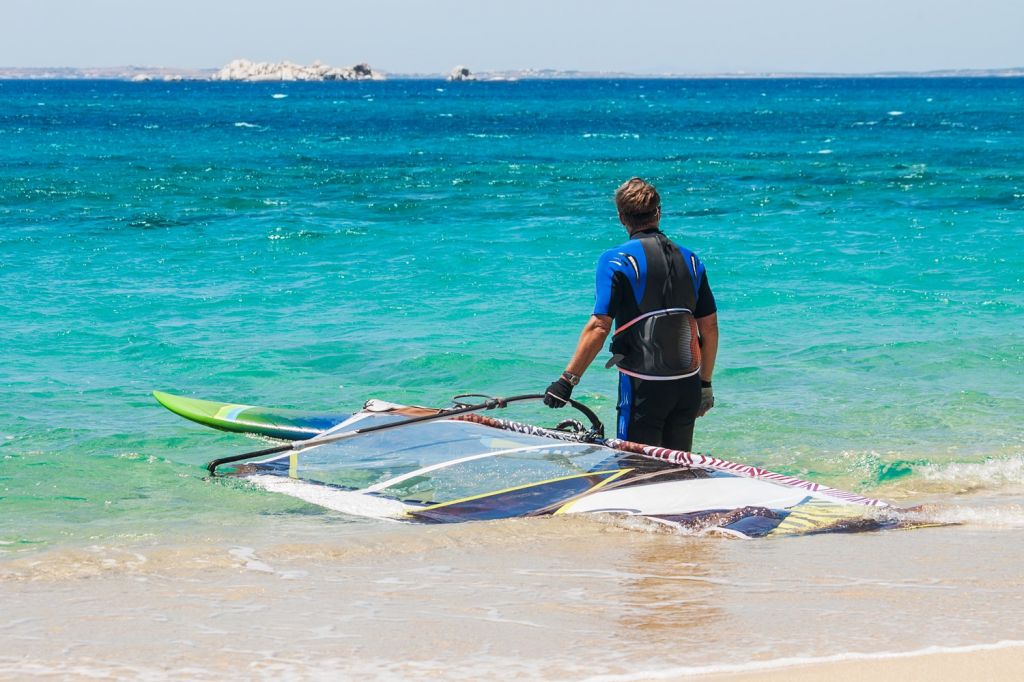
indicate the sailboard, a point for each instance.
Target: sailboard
{"x":474,"y":467}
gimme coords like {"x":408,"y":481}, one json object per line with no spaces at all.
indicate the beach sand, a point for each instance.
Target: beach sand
{"x":298,"y":597}
{"x":994,"y":662}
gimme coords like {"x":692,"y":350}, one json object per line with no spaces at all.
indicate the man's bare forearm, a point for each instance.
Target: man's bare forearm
{"x":591,"y":341}
{"x":708,"y":328}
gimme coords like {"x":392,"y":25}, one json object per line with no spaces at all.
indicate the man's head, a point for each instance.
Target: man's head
{"x":639,"y":205}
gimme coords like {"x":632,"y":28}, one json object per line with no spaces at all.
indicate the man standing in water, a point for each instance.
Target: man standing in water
{"x":666,"y":328}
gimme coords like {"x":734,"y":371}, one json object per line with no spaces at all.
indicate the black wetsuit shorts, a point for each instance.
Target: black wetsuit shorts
{"x":658,"y":412}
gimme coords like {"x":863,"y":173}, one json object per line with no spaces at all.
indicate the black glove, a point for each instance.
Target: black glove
{"x":707,"y":398}
{"x":558,"y":393}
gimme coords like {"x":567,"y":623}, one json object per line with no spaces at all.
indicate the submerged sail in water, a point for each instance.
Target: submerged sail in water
{"x":478,"y":468}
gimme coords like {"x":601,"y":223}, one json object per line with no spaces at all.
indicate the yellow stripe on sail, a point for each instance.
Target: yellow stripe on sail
{"x":564,"y":509}
{"x":817,"y":515}
{"x":616,"y":472}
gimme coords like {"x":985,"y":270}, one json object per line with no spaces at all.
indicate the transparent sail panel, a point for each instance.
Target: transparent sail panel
{"x":496,"y":472}
{"x":437,"y":461}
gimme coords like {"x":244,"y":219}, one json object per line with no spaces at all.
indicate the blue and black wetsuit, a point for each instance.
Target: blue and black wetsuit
{"x":655,"y":290}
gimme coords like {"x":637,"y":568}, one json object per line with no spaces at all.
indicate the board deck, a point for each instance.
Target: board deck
{"x":275,"y":423}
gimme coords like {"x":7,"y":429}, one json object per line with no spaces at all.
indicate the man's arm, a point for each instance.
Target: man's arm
{"x":707,"y":326}
{"x":591,"y":341}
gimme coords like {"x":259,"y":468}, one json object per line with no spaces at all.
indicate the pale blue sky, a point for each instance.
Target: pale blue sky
{"x":407,"y":36}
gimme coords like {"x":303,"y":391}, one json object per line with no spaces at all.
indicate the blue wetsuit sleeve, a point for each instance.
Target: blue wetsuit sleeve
{"x":705,"y":304}
{"x":605,"y":276}
{"x":705,"y":299}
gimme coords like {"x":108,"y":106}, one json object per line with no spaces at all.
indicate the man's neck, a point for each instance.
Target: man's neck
{"x":647,"y":229}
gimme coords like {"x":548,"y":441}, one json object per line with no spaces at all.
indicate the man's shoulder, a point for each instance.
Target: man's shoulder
{"x":625,"y":257}
{"x":688,"y":254}
{"x":628,"y":247}
{"x":692,"y":260}
{"x":685,"y":251}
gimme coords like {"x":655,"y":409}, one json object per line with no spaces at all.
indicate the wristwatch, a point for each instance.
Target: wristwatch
{"x":573,"y":379}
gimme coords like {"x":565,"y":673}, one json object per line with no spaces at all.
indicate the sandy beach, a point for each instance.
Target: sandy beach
{"x":564,"y":599}
{"x":1002,"y":661}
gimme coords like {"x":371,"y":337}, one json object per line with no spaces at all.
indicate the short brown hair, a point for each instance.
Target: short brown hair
{"x":638,"y":203}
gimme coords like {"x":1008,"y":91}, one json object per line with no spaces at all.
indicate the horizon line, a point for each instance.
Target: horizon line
{"x":114,"y":72}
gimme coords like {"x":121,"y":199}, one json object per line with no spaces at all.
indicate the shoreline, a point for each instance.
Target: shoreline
{"x":344,"y":598}
{"x":1003,"y":660}
{"x":999,"y":661}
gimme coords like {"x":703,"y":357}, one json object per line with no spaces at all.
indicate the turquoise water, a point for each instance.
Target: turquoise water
{"x":314,"y":245}
{"x":413,"y":240}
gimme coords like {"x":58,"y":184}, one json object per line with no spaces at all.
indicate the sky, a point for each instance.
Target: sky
{"x":433,"y":36}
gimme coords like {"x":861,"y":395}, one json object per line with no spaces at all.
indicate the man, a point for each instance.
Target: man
{"x":666,"y":328}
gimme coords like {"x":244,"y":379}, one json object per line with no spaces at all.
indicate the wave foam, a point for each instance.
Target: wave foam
{"x":987,"y":474}
{"x":792,"y":662}
{"x":1005,"y":516}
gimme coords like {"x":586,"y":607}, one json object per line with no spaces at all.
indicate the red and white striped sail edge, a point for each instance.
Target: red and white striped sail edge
{"x":690,"y":459}
{"x":695,"y":459}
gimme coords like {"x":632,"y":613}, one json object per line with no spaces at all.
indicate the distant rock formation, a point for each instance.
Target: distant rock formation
{"x":461,"y":73}
{"x":245,"y":70}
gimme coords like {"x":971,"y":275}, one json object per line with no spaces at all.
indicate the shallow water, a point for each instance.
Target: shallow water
{"x":413,"y":240}
{"x":545,"y":598}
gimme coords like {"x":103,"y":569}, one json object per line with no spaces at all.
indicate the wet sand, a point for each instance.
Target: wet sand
{"x":561,"y":598}
{"x":997,"y":662}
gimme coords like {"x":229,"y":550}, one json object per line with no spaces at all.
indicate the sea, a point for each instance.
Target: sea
{"x":313,"y":245}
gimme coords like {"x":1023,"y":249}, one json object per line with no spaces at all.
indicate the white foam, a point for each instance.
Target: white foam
{"x":637,"y":523}
{"x":247,"y":555}
{"x":894,"y":113}
{"x":613,"y":136}
{"x":279,"y":95}
{"x":1008,"y":516}
{"x":243,"y":124}
{"x":990,"y":473}
{"x":794,"y":661}
{"x":250,"y":562}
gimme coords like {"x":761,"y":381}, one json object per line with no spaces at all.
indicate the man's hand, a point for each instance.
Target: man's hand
{"x":558,"y":393}
{"x":707,"y":398}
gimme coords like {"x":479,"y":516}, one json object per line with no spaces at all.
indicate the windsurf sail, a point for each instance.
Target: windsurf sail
{"x":468,"y":470}
{"x":470,"y":466}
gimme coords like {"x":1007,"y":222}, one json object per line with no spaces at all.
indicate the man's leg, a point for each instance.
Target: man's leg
{"x":643,"y":407}
{"x":680,"y":421}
